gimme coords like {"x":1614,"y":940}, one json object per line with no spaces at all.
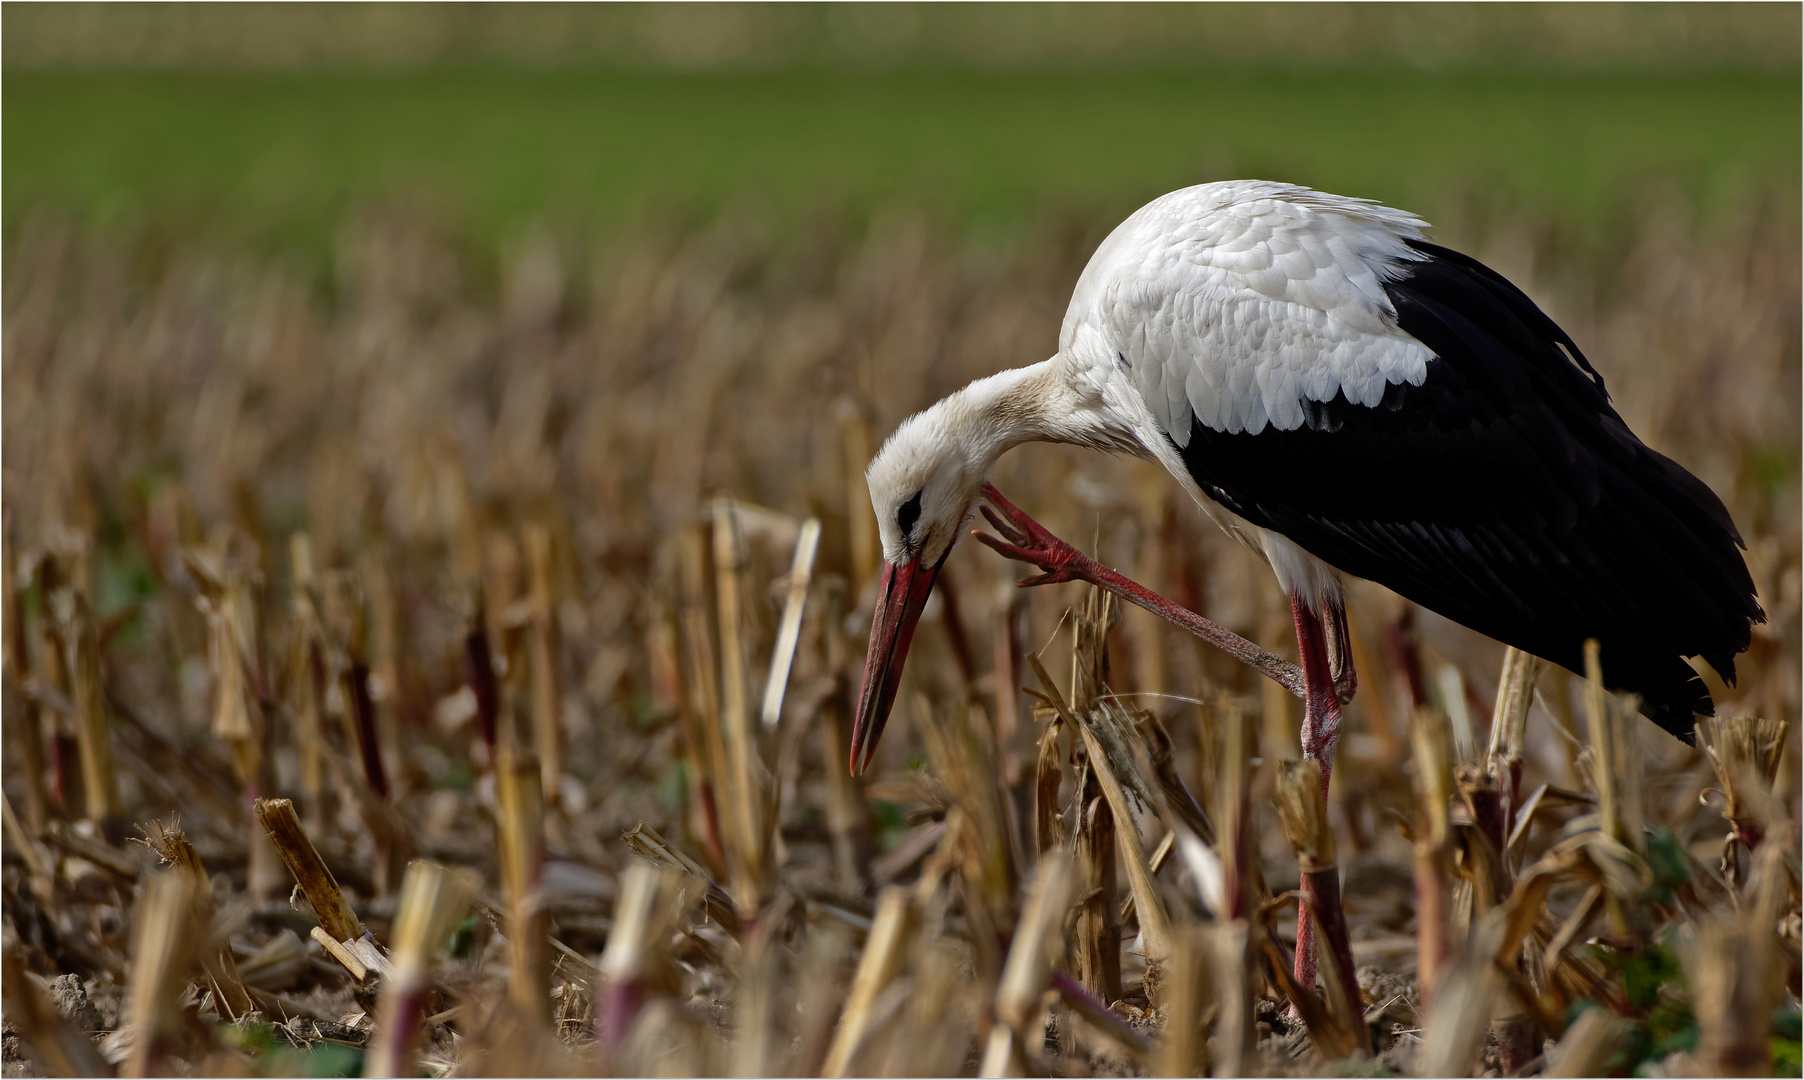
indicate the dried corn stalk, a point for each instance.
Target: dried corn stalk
{"x":433,"y":898}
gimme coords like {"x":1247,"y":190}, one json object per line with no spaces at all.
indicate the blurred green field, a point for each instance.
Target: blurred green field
{"x":278,"y":158}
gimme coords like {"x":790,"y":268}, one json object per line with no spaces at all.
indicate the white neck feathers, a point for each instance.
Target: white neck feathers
{"x":1036,"y":403}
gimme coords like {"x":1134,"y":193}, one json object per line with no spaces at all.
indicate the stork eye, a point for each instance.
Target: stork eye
{"x":909,"y":513}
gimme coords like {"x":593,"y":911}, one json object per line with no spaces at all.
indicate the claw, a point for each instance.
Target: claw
{"x":1028,"y":541}
{"x":1010,"y":551}
{"x":1002,"y":547}
{"x":1009,"y":510}
{"x":1012,"y":535}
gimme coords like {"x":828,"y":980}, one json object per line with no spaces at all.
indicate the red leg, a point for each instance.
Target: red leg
{"x":1321,"y":733}
{"x":1321,"y":701}
{"x":1026,"y":540}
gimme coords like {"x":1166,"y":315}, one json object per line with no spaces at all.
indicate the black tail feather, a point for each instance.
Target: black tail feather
{"x":1672,"y":695}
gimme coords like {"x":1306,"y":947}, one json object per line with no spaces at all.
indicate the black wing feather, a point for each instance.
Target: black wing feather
{"x":1506,"y":494}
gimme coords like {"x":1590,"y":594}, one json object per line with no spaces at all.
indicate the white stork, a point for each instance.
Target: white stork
{"x":1344,"y":397}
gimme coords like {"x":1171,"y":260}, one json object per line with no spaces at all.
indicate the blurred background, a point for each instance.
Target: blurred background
{"x":489,"y":303}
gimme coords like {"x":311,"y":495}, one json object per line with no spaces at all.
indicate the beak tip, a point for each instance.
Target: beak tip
{"x":864,"y":748}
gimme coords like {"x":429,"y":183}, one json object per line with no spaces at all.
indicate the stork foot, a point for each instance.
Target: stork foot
{"x":1023,"y":539}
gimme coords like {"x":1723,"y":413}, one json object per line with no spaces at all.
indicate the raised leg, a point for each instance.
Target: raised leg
{"x":1320,"y":635}
{"x":1026,"y":540}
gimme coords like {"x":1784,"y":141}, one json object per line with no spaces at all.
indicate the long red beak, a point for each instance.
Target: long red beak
{"x":901,"y":594}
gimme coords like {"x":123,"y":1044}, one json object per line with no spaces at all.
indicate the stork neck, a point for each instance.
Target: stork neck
{"x":1027,"y":404}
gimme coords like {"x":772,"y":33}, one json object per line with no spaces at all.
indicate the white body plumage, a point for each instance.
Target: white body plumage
{"x":1239,"y":301}
{"x":1235,"y":303}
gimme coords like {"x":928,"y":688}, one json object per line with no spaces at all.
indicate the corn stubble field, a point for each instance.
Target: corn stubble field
{"x":452,"y":588}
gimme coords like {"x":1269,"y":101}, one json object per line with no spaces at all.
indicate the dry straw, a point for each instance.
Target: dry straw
{"x":480,"y":543}
{"x":432,"y":899}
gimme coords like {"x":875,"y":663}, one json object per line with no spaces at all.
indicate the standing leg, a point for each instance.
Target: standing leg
{"x":1321,"y":733}
{"x":1321,"y":699}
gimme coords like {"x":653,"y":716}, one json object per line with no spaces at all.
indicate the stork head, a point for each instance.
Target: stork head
{"x":923,"y":483}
